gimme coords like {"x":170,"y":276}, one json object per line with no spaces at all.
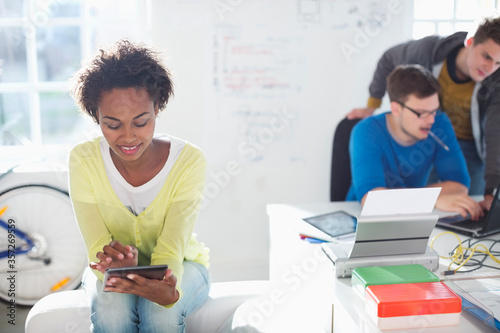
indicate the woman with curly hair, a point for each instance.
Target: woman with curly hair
{"x":136,"y":196}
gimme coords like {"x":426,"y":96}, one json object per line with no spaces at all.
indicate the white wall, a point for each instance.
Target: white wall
{"x":260,"y":86}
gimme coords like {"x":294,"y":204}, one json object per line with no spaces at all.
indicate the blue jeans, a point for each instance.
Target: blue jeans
{"x":126,"y":313}
{"x":475,"y":166}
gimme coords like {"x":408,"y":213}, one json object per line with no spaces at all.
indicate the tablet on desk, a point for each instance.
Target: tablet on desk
{"x":334,"y":224}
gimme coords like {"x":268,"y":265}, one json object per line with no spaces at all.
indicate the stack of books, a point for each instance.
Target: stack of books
{"x":406,"y":296}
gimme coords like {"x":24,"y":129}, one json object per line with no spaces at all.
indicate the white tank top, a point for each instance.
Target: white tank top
{"x":138,"y":198}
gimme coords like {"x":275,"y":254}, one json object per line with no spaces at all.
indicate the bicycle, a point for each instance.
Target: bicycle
{"x":41,"y":249}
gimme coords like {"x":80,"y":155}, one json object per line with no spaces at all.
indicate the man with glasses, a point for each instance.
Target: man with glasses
{"x":466,"y":66}
{"x":398,"y":149}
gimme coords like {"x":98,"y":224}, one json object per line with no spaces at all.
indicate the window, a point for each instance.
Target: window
{"x":42,"y":45}
{"x":444,"y":17}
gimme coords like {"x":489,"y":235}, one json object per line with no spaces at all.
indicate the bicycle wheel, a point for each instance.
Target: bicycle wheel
{"x":58,"y":258}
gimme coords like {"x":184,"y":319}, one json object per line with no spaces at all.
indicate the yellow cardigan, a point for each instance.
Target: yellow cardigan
{"x":163,"y":232}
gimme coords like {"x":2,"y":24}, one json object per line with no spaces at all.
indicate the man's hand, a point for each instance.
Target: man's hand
{"x":115,"y":255}
{"x":486,"y":202}
{"x":360,"y":113}
{"x":162,"y":292}
{"x":461,"y":203}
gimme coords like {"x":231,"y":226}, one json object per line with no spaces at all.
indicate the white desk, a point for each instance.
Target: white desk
{"x":296,"y":264}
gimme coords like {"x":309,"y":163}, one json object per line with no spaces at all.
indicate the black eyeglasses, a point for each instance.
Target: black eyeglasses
{"x":422,"y":114}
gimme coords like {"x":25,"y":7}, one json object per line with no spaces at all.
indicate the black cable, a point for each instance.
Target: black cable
{"x":477,"y":260}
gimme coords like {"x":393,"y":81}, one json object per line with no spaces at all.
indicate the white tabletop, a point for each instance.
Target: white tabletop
{"x":297,"y":264}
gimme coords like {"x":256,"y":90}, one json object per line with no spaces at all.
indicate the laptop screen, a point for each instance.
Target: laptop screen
{"x":490,"y":224}
{"x":493,"y":218}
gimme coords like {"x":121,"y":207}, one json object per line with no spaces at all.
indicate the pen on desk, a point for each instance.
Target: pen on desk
{"x":314,"y":240}
{"x":438,"y":140}
{"x":311,"y":239}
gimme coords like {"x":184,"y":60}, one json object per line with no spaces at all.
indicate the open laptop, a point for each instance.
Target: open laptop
{"x":487,"y":225}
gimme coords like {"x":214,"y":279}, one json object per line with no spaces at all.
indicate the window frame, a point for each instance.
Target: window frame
{"x":90,"y":27}
{"x":486,"y":7}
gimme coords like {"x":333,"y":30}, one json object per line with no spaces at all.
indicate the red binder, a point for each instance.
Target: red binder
{"x":412,"y":305}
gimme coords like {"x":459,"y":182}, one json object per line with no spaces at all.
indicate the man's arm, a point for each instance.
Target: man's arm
{"x":366,"y":153}
{"x":419,"y":51}
{"x":412,"y":52}
{"x":452,"y":170}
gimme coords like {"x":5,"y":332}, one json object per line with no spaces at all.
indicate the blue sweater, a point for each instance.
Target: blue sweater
{"x":377,"y":160}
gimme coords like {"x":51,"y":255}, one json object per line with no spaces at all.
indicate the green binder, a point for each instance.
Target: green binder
{"x":363,"y":277}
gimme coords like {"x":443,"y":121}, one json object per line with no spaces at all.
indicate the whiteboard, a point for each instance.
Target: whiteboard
{"x":260,"y":86}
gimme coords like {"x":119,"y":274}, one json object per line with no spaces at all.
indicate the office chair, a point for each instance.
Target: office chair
{"x":341,"y":164}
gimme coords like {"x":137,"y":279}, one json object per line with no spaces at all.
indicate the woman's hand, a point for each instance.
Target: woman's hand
{"x":162,"y":292}
{"x":115,"y":255}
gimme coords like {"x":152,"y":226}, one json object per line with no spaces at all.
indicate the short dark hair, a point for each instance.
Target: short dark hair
{"x":124,"y":65}
{"x":489,"y":28}
{"x":406,"y":80}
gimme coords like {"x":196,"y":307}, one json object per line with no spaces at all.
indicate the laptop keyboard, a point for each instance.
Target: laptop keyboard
{"x":469,"y":224}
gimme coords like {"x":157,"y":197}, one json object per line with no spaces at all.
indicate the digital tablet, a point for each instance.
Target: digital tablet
{"x":334,"y":224}
{"x":156,"y":272}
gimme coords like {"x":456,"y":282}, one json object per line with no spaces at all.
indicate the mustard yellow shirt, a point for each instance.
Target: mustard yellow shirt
{"x":162,"y":233}
{"x":455,"y":99}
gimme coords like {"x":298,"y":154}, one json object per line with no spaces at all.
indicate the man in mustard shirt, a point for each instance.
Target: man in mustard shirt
{"x":466,"y":67}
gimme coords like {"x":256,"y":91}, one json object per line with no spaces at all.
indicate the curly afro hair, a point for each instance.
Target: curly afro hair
{"x":124,"y":65}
